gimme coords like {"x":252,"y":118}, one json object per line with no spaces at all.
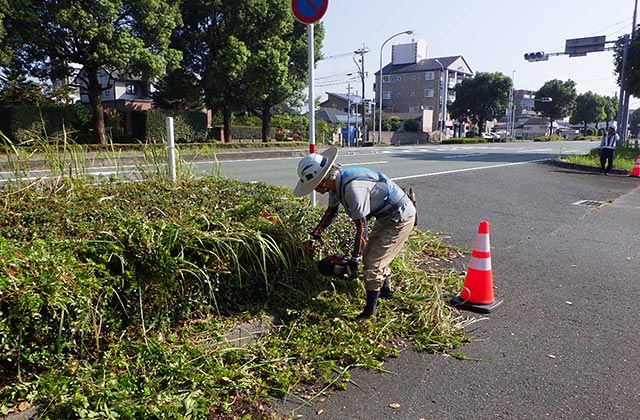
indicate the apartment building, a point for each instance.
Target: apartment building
{"x":415,"y":85}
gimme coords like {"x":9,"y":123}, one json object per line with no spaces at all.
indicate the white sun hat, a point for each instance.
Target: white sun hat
{"x":312,"y":169}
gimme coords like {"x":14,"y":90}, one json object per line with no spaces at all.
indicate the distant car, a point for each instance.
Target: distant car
{"x":492,"y":137}
{"x":471,"y":134}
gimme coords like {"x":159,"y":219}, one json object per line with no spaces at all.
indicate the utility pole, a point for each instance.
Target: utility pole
{"x":510,"y":111}
{"x":349,"y":114}
{"x":624,"y":117}
{"x":361,"y":52}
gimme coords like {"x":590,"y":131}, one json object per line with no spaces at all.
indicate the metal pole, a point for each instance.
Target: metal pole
{"x":312,"y":96}
{"x":445,"y":94}
{"x":172,"y":149}
{"x":625,"y":113}
{"x":441,"y":105}
{"x":621,"y":99}
{"x":349,"y":114}
{"x":510,"y":111}
{"x":409,"y":32}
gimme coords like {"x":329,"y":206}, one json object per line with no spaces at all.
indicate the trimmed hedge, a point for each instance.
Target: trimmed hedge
{"x":26,"y":123}
{"x":150,"y":126}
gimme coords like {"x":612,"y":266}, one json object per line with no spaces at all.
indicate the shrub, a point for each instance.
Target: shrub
{"x":150,"y":126}
{"x":26,"y":123}
{"x":412,"y":126}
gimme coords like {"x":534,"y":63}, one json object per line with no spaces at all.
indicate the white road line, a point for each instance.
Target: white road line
{"x":464,"y":156}
{"x":468,"y":169}
{"x":365,"y":163}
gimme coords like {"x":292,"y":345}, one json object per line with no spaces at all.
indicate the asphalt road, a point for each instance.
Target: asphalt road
{"x":563,"y":344}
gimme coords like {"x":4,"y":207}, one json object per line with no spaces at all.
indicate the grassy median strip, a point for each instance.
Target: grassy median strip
{"x":119,"y":300}
{"x":625,"y":158}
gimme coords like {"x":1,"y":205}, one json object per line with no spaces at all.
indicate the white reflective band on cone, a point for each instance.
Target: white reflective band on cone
{"x":482,"y":243}
{"x":480,"y":264}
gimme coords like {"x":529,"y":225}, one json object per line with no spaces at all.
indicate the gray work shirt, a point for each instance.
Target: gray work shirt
{"x":364,"y":198}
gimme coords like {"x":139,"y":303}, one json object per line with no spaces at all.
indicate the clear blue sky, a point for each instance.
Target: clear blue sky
{"x":492,"y":36}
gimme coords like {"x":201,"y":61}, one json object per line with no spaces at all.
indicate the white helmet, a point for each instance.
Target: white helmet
{"x":312,"y":169}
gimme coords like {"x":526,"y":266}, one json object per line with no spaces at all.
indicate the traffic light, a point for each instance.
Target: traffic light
{"x":536,"y":56}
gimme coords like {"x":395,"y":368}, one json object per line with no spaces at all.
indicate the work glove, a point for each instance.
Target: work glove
{"x":312,"y":244}
{"x":353,"y":269}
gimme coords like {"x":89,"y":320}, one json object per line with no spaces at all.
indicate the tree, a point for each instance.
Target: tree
{"x":482,"y":97}
{"x":4,"y":8}
{"x":589,"y":109}
{"x":16,"y":89}
{"x":247,"y":55}
{"x":632,"y":69}
{"x":278,"y":64}
{"x":178,"y":91}
{"x":634,"y":122}
{"x":610,"y":108}
{"x":563,"y":100}
{"x":44,"y":37}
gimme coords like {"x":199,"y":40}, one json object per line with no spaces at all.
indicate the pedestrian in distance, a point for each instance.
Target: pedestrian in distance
{"x":608,"y":149}
{"x":364,"y":194}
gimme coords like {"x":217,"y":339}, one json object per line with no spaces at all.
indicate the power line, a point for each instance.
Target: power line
{"x":332,"y":57}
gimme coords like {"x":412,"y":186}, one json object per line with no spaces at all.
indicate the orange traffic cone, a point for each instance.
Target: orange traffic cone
{"x":477,"y":290}
{"x":636,"y":167}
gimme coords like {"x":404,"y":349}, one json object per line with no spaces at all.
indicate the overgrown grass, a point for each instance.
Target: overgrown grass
{"x":624,"y":159}
{"x":116,"y":300}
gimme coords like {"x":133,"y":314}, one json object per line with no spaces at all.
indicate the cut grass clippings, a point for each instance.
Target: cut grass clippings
{"x":117,"y":301}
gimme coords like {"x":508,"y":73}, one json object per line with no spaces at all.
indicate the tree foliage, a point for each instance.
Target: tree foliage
{"x":4,"y":8}
{"x":178,"y":91}
{"x":482,"y":97}
{"x":634,"y":122}
{"x":589,"y":109}
{"x":247,"y":55}
{"x":131,"y":37}
{"x":632,"y":69}
{"x":563,"y":100}
{"x":610,"y":108}
{"x":16,"y":89}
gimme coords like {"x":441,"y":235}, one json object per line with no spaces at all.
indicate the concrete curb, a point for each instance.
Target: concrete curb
{"x":586,"y":168}
{"x":100,"y":162}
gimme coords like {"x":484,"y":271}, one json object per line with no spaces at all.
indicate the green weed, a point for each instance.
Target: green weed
{"x":625,"y":158}
{"x":117,"y":300}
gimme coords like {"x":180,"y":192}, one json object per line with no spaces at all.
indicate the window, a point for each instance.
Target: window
{"x":413,"y":77}
{"x":414,"y":109}
{"x":428,"y":108}
{"x":428,"y":93}
{"x":386,"y":79}
{"x":399,"y":78}
{"x":429,"y":75}
{"x":386,"y":94}
{"x":132,"y":89}
{"x":398,"y":94}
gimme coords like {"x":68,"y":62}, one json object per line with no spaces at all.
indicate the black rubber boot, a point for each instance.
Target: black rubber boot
{"x":370,"y":307}
{"x":385,"y":290}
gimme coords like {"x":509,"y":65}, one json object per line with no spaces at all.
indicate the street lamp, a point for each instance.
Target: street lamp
{"x":444,"y":101}
{"x":409,"y":32}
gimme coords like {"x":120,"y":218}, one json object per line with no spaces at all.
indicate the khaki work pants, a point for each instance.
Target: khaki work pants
{"x":385,"y":242}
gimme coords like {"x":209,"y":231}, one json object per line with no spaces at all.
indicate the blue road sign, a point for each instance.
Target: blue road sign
{"x":309,"y":11}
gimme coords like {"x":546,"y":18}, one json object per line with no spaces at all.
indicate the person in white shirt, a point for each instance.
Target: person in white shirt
{"x":607,"y":149}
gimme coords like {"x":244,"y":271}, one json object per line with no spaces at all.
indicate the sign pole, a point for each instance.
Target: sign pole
{"x":309,"y":12}
{"x":312,"y":95}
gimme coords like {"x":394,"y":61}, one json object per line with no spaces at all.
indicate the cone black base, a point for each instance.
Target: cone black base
{"x":460,"y":303}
